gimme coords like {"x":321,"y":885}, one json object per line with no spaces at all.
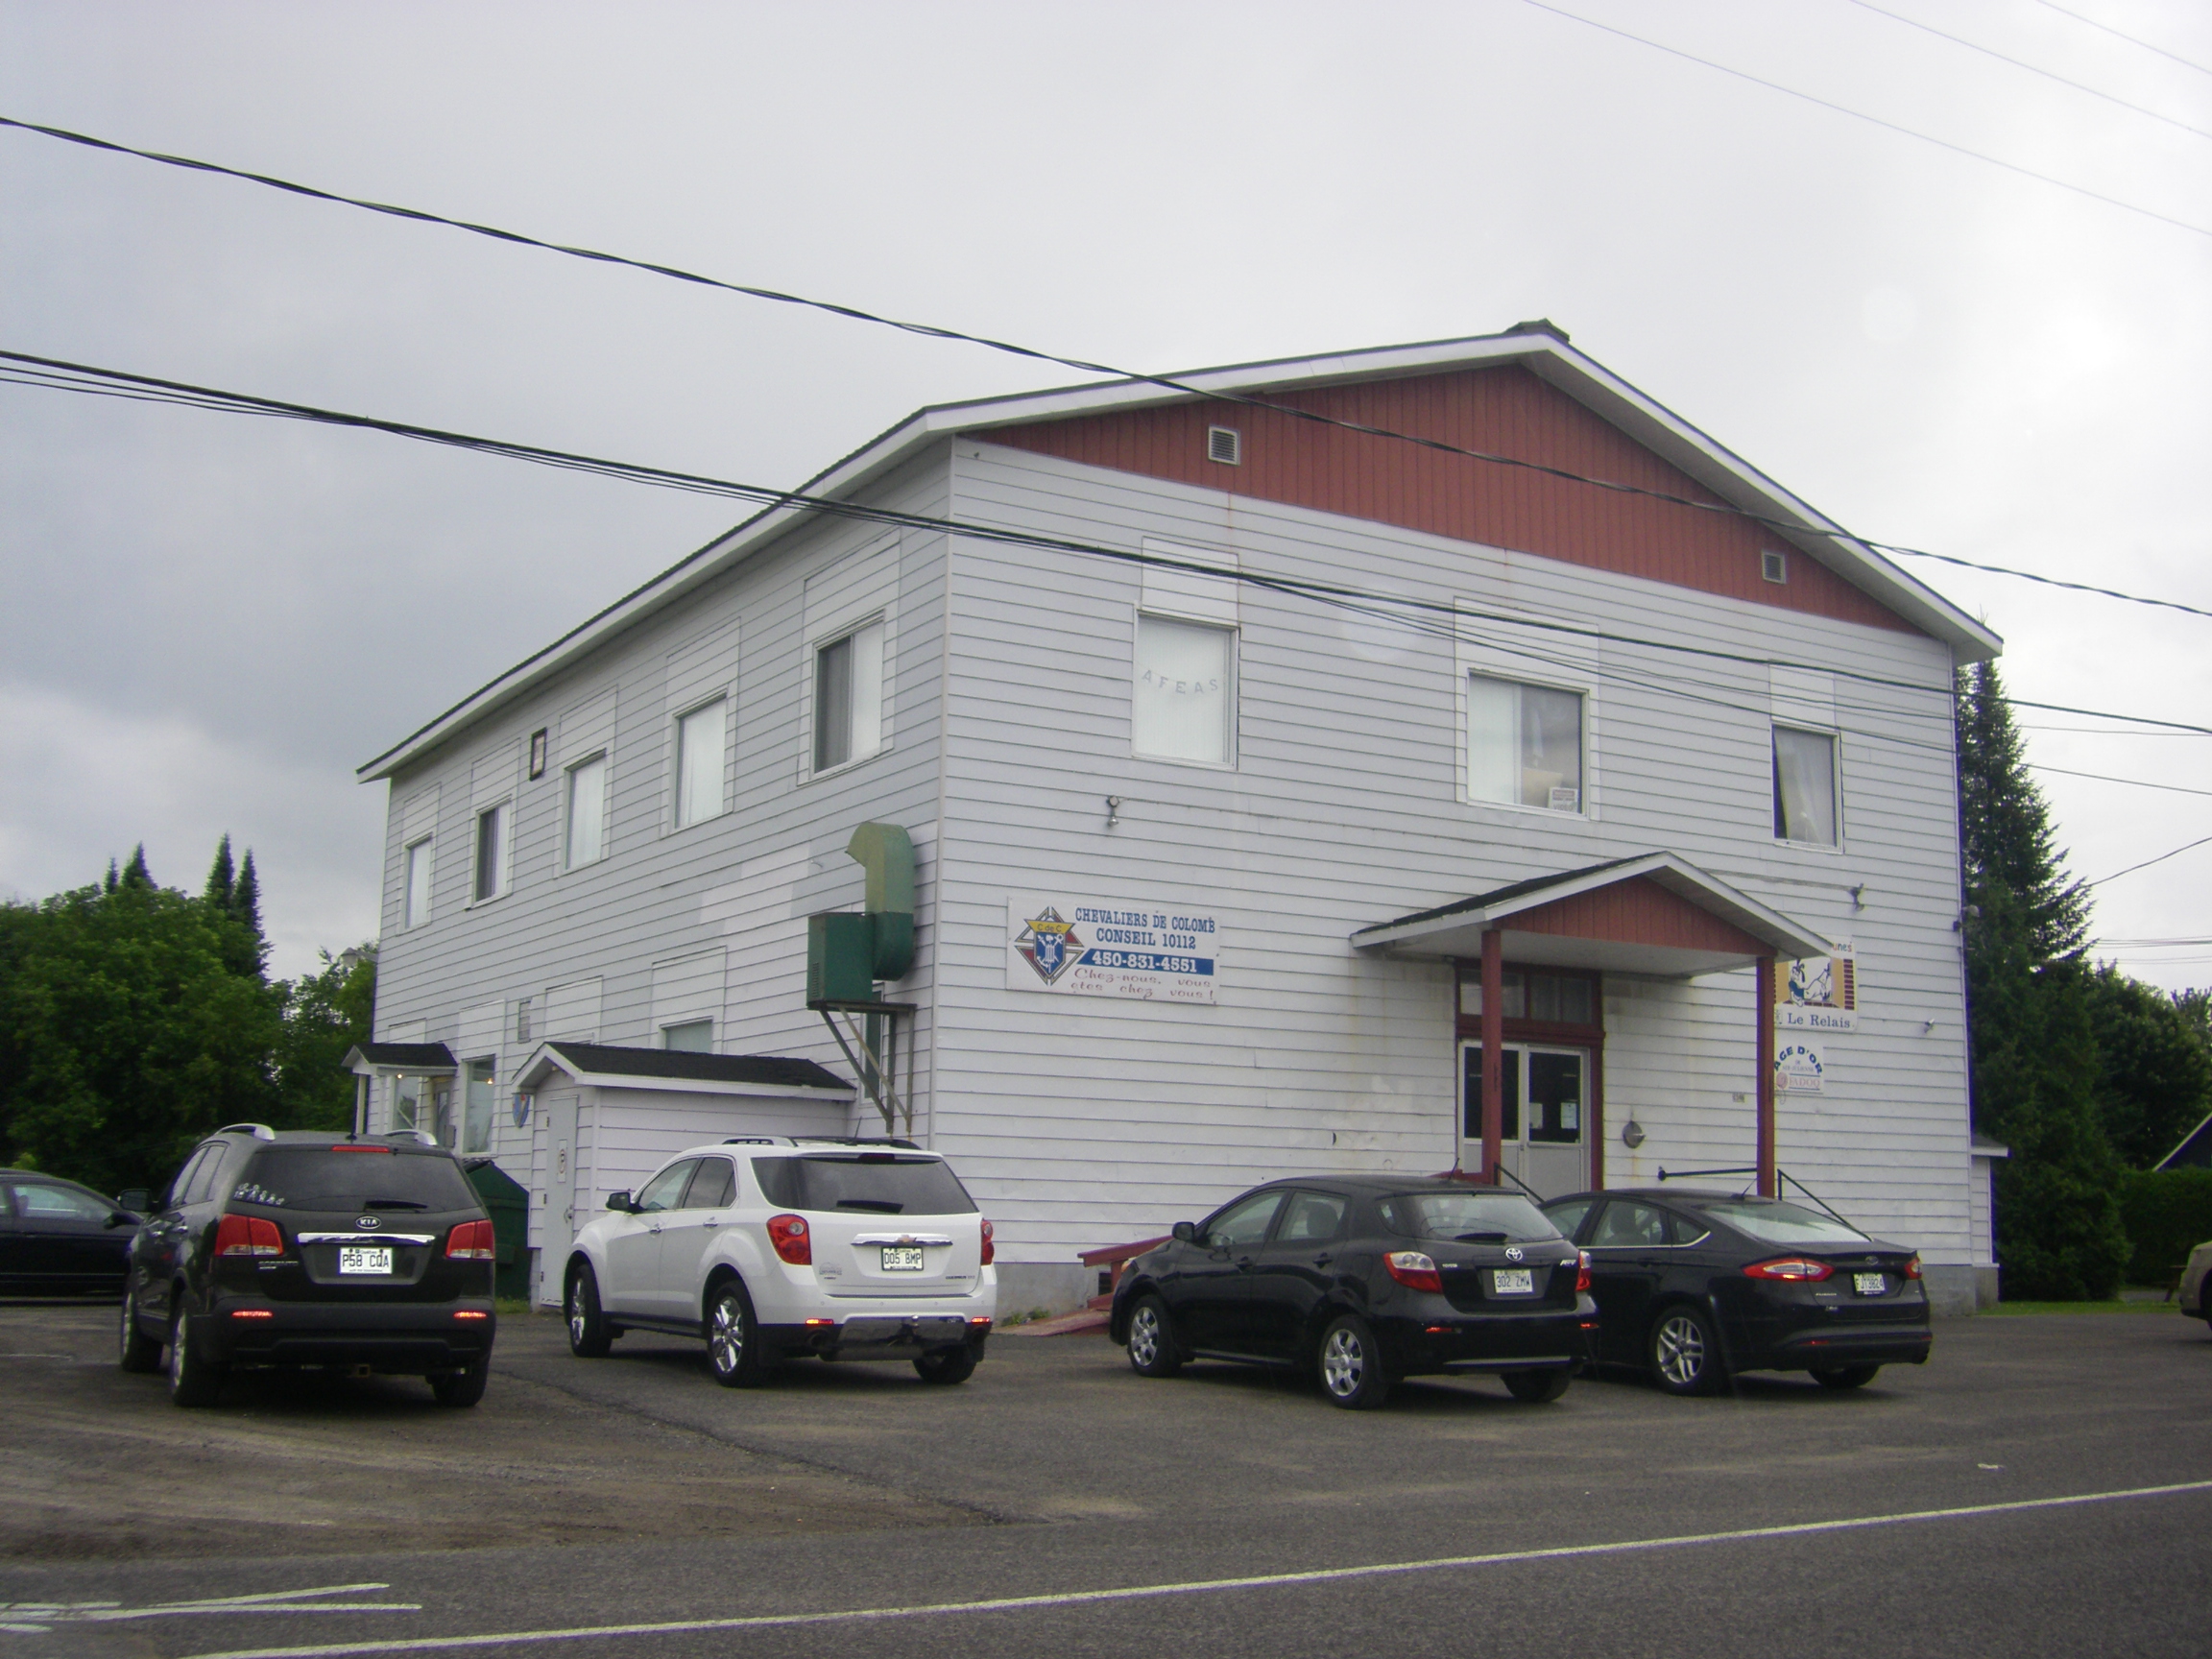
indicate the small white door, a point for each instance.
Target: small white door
{"x":1544,"y":1116}
{"x":558,"y":1229}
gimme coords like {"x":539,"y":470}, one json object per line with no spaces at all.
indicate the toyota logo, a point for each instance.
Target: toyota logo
{"x":367,"y":1221}
{"x":1512,"y":1252}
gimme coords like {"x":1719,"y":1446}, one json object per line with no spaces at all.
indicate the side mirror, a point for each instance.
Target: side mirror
{"x":621,"y":1201}
{"x":1185,"y":1232}
{"x":133,"y":1199}
{"x":120,"y":1219}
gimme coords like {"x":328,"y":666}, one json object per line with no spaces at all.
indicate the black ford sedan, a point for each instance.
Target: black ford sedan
{"x":1693,"y":1287}
{"x":58,"y":1237}
{"x":1362,"y":1279}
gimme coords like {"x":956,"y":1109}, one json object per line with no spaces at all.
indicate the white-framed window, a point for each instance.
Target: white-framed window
{"x":479,"y":1100}
{"x":689,"y":1036}
{"x":415,"y":900}
{"x":1184,"y":691}
{"x":586,"y":841}
{"x":1805,"y":792}
{"x":491,"y":851}
{"x":1524,"y":744}
{"x":849,"y":697}
{"x":702,"y":748}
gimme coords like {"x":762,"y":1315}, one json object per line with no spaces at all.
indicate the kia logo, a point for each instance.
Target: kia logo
{"x":1512,"y":1252}
{"x":367,"y":1221}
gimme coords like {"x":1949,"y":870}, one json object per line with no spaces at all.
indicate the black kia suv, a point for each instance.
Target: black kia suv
{"x":297,"y":1249}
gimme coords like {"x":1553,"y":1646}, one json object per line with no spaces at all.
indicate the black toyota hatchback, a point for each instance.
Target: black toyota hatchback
{"x":303,"y":1249}
{"x":1362,"y":1279}
{"x":1692,"y":1286}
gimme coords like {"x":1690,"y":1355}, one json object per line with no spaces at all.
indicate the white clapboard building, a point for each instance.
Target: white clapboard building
{"x":1267,"y":778}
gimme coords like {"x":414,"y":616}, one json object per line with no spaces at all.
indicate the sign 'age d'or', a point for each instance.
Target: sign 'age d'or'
{"x":1075,"y":946}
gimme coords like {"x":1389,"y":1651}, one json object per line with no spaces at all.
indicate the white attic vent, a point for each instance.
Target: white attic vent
{"x":1773,"y":565}
{"x":1225,"y":445}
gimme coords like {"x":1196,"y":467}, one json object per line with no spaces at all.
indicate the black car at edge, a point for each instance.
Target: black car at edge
{"x":1693,"y":1287}
{"x":61,"y":1239}
{"x":305,"y":1249}
{"x":1362,"y":1279}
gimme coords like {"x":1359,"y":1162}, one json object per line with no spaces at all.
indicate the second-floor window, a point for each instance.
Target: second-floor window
{"x":491,"y":851}
{"x":849,"y":698}
{"x":415,"y":903}
{"x":700,"y":742}
{"x":1184,"y":691}
{"x":1524,"y":744}
{"x":689,"y":1036}
{"x":1805,"y":786}
{"x":586,"y":789}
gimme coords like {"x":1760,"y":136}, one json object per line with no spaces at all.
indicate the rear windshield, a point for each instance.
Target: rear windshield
{"x":319,"y":1178}
{"x":1466,"y":1217}
{"x":1776,"y":1222}
{"x":877,"y":1183}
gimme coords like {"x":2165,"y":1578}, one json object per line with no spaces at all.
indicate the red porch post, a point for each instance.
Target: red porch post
{"x":1763,"y":981}
{"x":1492,"y":1054}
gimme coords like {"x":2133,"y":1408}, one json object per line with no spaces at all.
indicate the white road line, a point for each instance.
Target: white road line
{"x":35,"y":1618}
{"x":1203,"y":1586}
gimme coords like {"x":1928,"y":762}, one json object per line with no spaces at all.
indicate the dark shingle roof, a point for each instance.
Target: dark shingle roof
{"x":774,"y":1069}
{"x":406,"y":1053}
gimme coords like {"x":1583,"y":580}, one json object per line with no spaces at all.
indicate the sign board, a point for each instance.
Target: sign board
{"x":1799,"y":1068}
{"x":1818,"y":993}
{"x":1077,"y":946}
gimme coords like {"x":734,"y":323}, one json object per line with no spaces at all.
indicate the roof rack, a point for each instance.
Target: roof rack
{"x":754,"y":1140}
{"x":260,"y":1131}
{"x":420,"y":1137}
{"x":856,"y":1141}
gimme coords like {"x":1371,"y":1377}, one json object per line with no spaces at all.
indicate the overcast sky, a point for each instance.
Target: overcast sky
{"x":210,"y":621}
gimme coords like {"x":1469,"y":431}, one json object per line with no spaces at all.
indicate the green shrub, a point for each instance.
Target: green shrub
{"x":2168,"y":1212}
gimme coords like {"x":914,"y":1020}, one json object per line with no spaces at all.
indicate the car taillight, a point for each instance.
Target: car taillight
{"x":789,"y":1235}
{"x":1793,"y":1268}
{"x":248,"y":1236}
{"x":1414,"y":1270}
{"x":1582,"y":1272}
{"x":1912,"y":1268}
{"x":472,"y":1242}
{"x":990,"y":1250}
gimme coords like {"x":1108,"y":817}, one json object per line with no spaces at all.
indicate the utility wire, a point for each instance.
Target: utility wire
{"x":1874,"y":120}
{"x":2017,"y":64}
{"x":56,"y":374}
{"x":2131,"y":40}
{"x":933,"y":331}
{"x":2148,"y":862}
{"x":2139,"y":782}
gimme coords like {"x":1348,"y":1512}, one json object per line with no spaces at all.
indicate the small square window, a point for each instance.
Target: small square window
{"x":416,"y":898}
{"x":1805,"y":786}
{"x":1524,"y":744}
{"x":492,"y":853}
{"x":1774,"y":567}
{"x":537,"y":753}
{"x":587,"y":841}
{"x":690,"y":1036}
{"x":1185,"y":690}
{"x":849,"y":698}
{"x":1225,"y":445}
{"x":702,"y":739}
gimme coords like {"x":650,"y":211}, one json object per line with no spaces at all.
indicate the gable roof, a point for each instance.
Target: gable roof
{"x":367,"y":1059}
{"x":1538,"y":347}
{"x":605,"y":1065}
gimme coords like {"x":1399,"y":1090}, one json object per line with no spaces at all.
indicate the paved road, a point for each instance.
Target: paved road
{"x":1057,"y":1476}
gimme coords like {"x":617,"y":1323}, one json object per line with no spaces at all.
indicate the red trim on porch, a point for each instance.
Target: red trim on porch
{"x":1636,"y":911}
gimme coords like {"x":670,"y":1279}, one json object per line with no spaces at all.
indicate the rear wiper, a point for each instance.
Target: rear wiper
{"x":1479,"y":1237}
{"x":410,"y":1204}
{"x":877,"y":1206}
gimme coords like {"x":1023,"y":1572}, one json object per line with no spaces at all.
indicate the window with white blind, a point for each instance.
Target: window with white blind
{"x":1524,"y":744}
{"x":689,"y":1036}
{"x":702,"y":743}
{"x":849,"y":698}
{"x":1805,"y":786}
{"x":586,"y":842}
{"x":1184,"y":690}
{"x":415,"y":903}
{"x":491,"y":853}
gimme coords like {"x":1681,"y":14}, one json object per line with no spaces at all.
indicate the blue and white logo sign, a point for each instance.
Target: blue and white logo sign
{"x":1111,"y":947}
{"x":1799,"y":1070}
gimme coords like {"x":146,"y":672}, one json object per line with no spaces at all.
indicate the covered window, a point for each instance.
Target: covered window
{"x":1184,"y":691}
{"x":1804,"y":787}
{"x":416,"y":904}
{"x":691,"y":1037}
{"x":1524,"y":744}
{"x":586,"y":812}
{"x":700,"y":742}
{"x":491,"y":851}
{"x":478,"y":1104}
{"x":849,"y":698}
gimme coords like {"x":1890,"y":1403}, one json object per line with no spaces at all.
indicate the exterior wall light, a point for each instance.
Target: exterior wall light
{"x":1632,"y":1135}
{"x":1112,"y":810}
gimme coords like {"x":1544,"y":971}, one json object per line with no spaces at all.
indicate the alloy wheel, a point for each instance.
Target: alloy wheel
{"x":1681,"y":1350}
{"x":1144,"y":1336}
{"x":1343,"y":1363}
{"x":579,"y":1322}
{"x":726,"y":1342}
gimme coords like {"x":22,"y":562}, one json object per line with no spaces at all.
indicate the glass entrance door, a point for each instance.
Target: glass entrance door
{"x":1544,"y":1115}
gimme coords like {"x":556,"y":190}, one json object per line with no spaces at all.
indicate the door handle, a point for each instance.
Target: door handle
{"x":1243,"y":1263}
{"x":1323,"y":1259}
{"x":653,"y":1227}
{"x":711,"y":1221}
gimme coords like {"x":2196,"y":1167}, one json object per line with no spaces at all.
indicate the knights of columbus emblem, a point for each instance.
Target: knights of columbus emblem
{"x":1049,"y":945}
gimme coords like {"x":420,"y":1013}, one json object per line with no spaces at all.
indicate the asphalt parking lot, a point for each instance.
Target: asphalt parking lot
{"x":2016,"y":1494}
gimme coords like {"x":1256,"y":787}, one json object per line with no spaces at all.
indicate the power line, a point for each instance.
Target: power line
{"x":934,"y":331}
{"x":2098,"y":714}
{"x":56,"y":374}
{"x":2101,"y":778}
{"x":2017,"y":64}
{"x":2129,"y":38}
{"x":2148,"y":862}
{"x":1874,"y":120}
{"x":2101,"y":730}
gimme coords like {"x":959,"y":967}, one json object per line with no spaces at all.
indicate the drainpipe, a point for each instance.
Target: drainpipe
{"x":1763,"y":984}
{"x":1493,"y":1055}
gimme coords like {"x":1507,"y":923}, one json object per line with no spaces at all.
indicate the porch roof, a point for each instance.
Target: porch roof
{"x":606,"y":1066}
{"x":1654,"y":914}
{"x":383,"y":1059}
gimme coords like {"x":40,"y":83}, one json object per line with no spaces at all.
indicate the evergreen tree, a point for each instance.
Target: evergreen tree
{"x":222,"y":880}
{"x":135,"y":873}
{"x":2034,"y":1065}
{"x":246,"y":910}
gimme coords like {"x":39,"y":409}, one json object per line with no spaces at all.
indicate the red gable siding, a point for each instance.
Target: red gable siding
{"x":1637,"y":911}
{"x":1504,"y":411}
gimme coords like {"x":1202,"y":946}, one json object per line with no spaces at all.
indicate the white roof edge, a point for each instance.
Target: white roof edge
{"x":1551,"y":359}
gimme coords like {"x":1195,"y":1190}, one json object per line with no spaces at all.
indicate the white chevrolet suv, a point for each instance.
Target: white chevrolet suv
{"x":775,"y":1248}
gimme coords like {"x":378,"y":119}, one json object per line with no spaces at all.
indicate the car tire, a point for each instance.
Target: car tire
{"x":1152,"y":1350}
{"x":462,"y":1388}
{"x":1350,"y":1364}
{"x":588,"y":1338}
{"x":136,"y":1351}
{"x":194,"y":1379}
{"x":1539,"y":1387}
{"x":1684,"y":1354}
{"x":1844,"y":1376}
{"x":734,"y":1351}
{"x":945,"y":1366}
